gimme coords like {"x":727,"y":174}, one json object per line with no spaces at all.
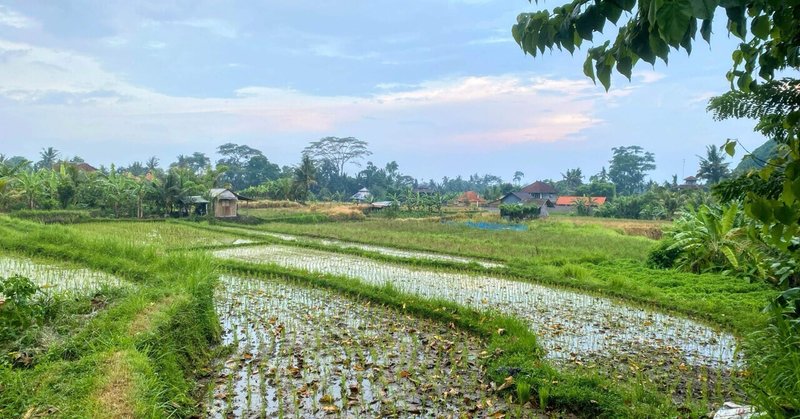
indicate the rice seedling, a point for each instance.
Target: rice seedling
{"x":576,"y":329}
{"x":383,"y":250}
{"x":62,"y":280}
{"x":165,"y":234}
{"x":331,"y":355}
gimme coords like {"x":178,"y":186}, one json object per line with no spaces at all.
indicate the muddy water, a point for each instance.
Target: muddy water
{"x":57,"y":279}
{"x":573,"y":327}
{"x":388,"y":251}
{"x":303,"y":352}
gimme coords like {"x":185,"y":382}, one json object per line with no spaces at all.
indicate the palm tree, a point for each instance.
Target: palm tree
{"x":572,"y":179}
{"x":518,"y":175}
{"x":305,"y":176}
{"x":48,"y":156}
{"x":152,"y":164}
{"x":713,"y":167}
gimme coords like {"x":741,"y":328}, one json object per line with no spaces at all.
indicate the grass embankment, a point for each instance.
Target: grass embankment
{"x":513,"y":357}
{"x":166,"y":234}
{"x":136,"y":357}
{"x":584,"y":257}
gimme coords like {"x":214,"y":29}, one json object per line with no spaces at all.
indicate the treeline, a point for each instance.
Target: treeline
{"x":144,"y":189}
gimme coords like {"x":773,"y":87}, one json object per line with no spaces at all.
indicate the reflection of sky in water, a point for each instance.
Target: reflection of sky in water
{"x":57,"y":279}
{"x":570,"y":324}
{"x":388,"y":251}
{"x":291,"y":340}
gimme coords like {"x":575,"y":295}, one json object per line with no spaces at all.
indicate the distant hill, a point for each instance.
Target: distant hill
{"x":755,"y":160}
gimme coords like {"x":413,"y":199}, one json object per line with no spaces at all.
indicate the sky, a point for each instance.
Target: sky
{"x":439,"y":86}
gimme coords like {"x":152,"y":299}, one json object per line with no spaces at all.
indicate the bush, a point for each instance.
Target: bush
{"x":54,"y":216}
{"x":663,"y":256}
{"x":520,"y":212}
{"x":774,"y":365}
{"x":18,"y":310}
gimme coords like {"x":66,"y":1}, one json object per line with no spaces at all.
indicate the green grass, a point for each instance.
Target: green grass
{"x":167,"y":234}
{"x":139,"y":355}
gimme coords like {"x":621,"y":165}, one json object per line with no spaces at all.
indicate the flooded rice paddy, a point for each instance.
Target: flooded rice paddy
{"x":388,"y":251}
{"x":682,"y":357}
{"x":58,"y":279}
{"x":305,"y":352}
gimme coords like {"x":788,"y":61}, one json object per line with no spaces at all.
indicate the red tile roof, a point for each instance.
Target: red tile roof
{"x":539,"y":187}
{"x":470,"y":196}
{"x":570,"y":200}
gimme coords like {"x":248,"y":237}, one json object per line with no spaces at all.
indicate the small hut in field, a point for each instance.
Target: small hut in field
{"x":224,"y":202}
{"x":362,"y":195}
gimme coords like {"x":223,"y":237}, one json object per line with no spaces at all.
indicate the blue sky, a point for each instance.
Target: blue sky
{"x":437,"y":85}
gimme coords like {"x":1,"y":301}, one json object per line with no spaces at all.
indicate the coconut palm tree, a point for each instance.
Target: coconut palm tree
{"x":713,"y":167}
{"x":518,"y":175}
{"x":48,"y":156}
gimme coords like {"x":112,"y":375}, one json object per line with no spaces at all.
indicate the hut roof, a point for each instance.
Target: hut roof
{"x":571,"y":200}
{"x":224,"y":194}
{"x":470,"y":196}
{"x":539,"y":187}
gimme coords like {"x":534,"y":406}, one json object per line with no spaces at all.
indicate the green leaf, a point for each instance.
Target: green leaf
{"x":588,"y":68}
{"x":589,"y":22}
{"x":604,"y":74}
{"x":705,"y":30}
{"x":624,"y":66}
{"x":626,"y":5}
{"x":704,"y":9}
{"x":673,"y":20}
{"x":759,"y":208}
{"x":659,"y":47}
{"x":516,"y":32}
{"x":737,"y":21}
{"x":785,"y":214}
{"x":611,"y":11}
{"x":760,"y":27}
{"x":730,"y":147}
{"x":730,"y":256}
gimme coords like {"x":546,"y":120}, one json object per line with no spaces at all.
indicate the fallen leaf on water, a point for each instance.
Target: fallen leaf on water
{"x":331,"y":408}
{"x":508,"y":382}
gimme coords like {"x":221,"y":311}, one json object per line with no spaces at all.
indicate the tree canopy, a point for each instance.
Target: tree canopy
{"x":338,"y":151}
{"x":654,"y":26}
{"x":628,"y":168}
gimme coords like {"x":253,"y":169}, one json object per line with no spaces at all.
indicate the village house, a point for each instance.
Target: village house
{"x":470,"y":199}
{"x":569,"y":203}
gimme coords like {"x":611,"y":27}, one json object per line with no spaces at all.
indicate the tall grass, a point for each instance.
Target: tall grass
{"x":151,"y":365}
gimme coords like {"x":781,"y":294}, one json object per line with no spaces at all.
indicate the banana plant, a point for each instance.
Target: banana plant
{"x":714,"y":238}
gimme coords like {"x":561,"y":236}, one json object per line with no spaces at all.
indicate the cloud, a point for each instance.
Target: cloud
{"x":14,"y":19}
{"x":649,"y":76}
{"x":59,"y":91}
{"x":216,"y":27}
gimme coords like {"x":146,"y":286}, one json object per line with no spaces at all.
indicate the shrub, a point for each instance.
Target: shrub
{"x":664,"y":256}
{"x":18,"y":310}
{"x":54,"y":216}
{"x":774,"y":365}
{"x":520,"y":212}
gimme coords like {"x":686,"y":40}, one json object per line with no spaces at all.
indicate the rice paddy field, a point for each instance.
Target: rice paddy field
{"x":373,"y":318}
